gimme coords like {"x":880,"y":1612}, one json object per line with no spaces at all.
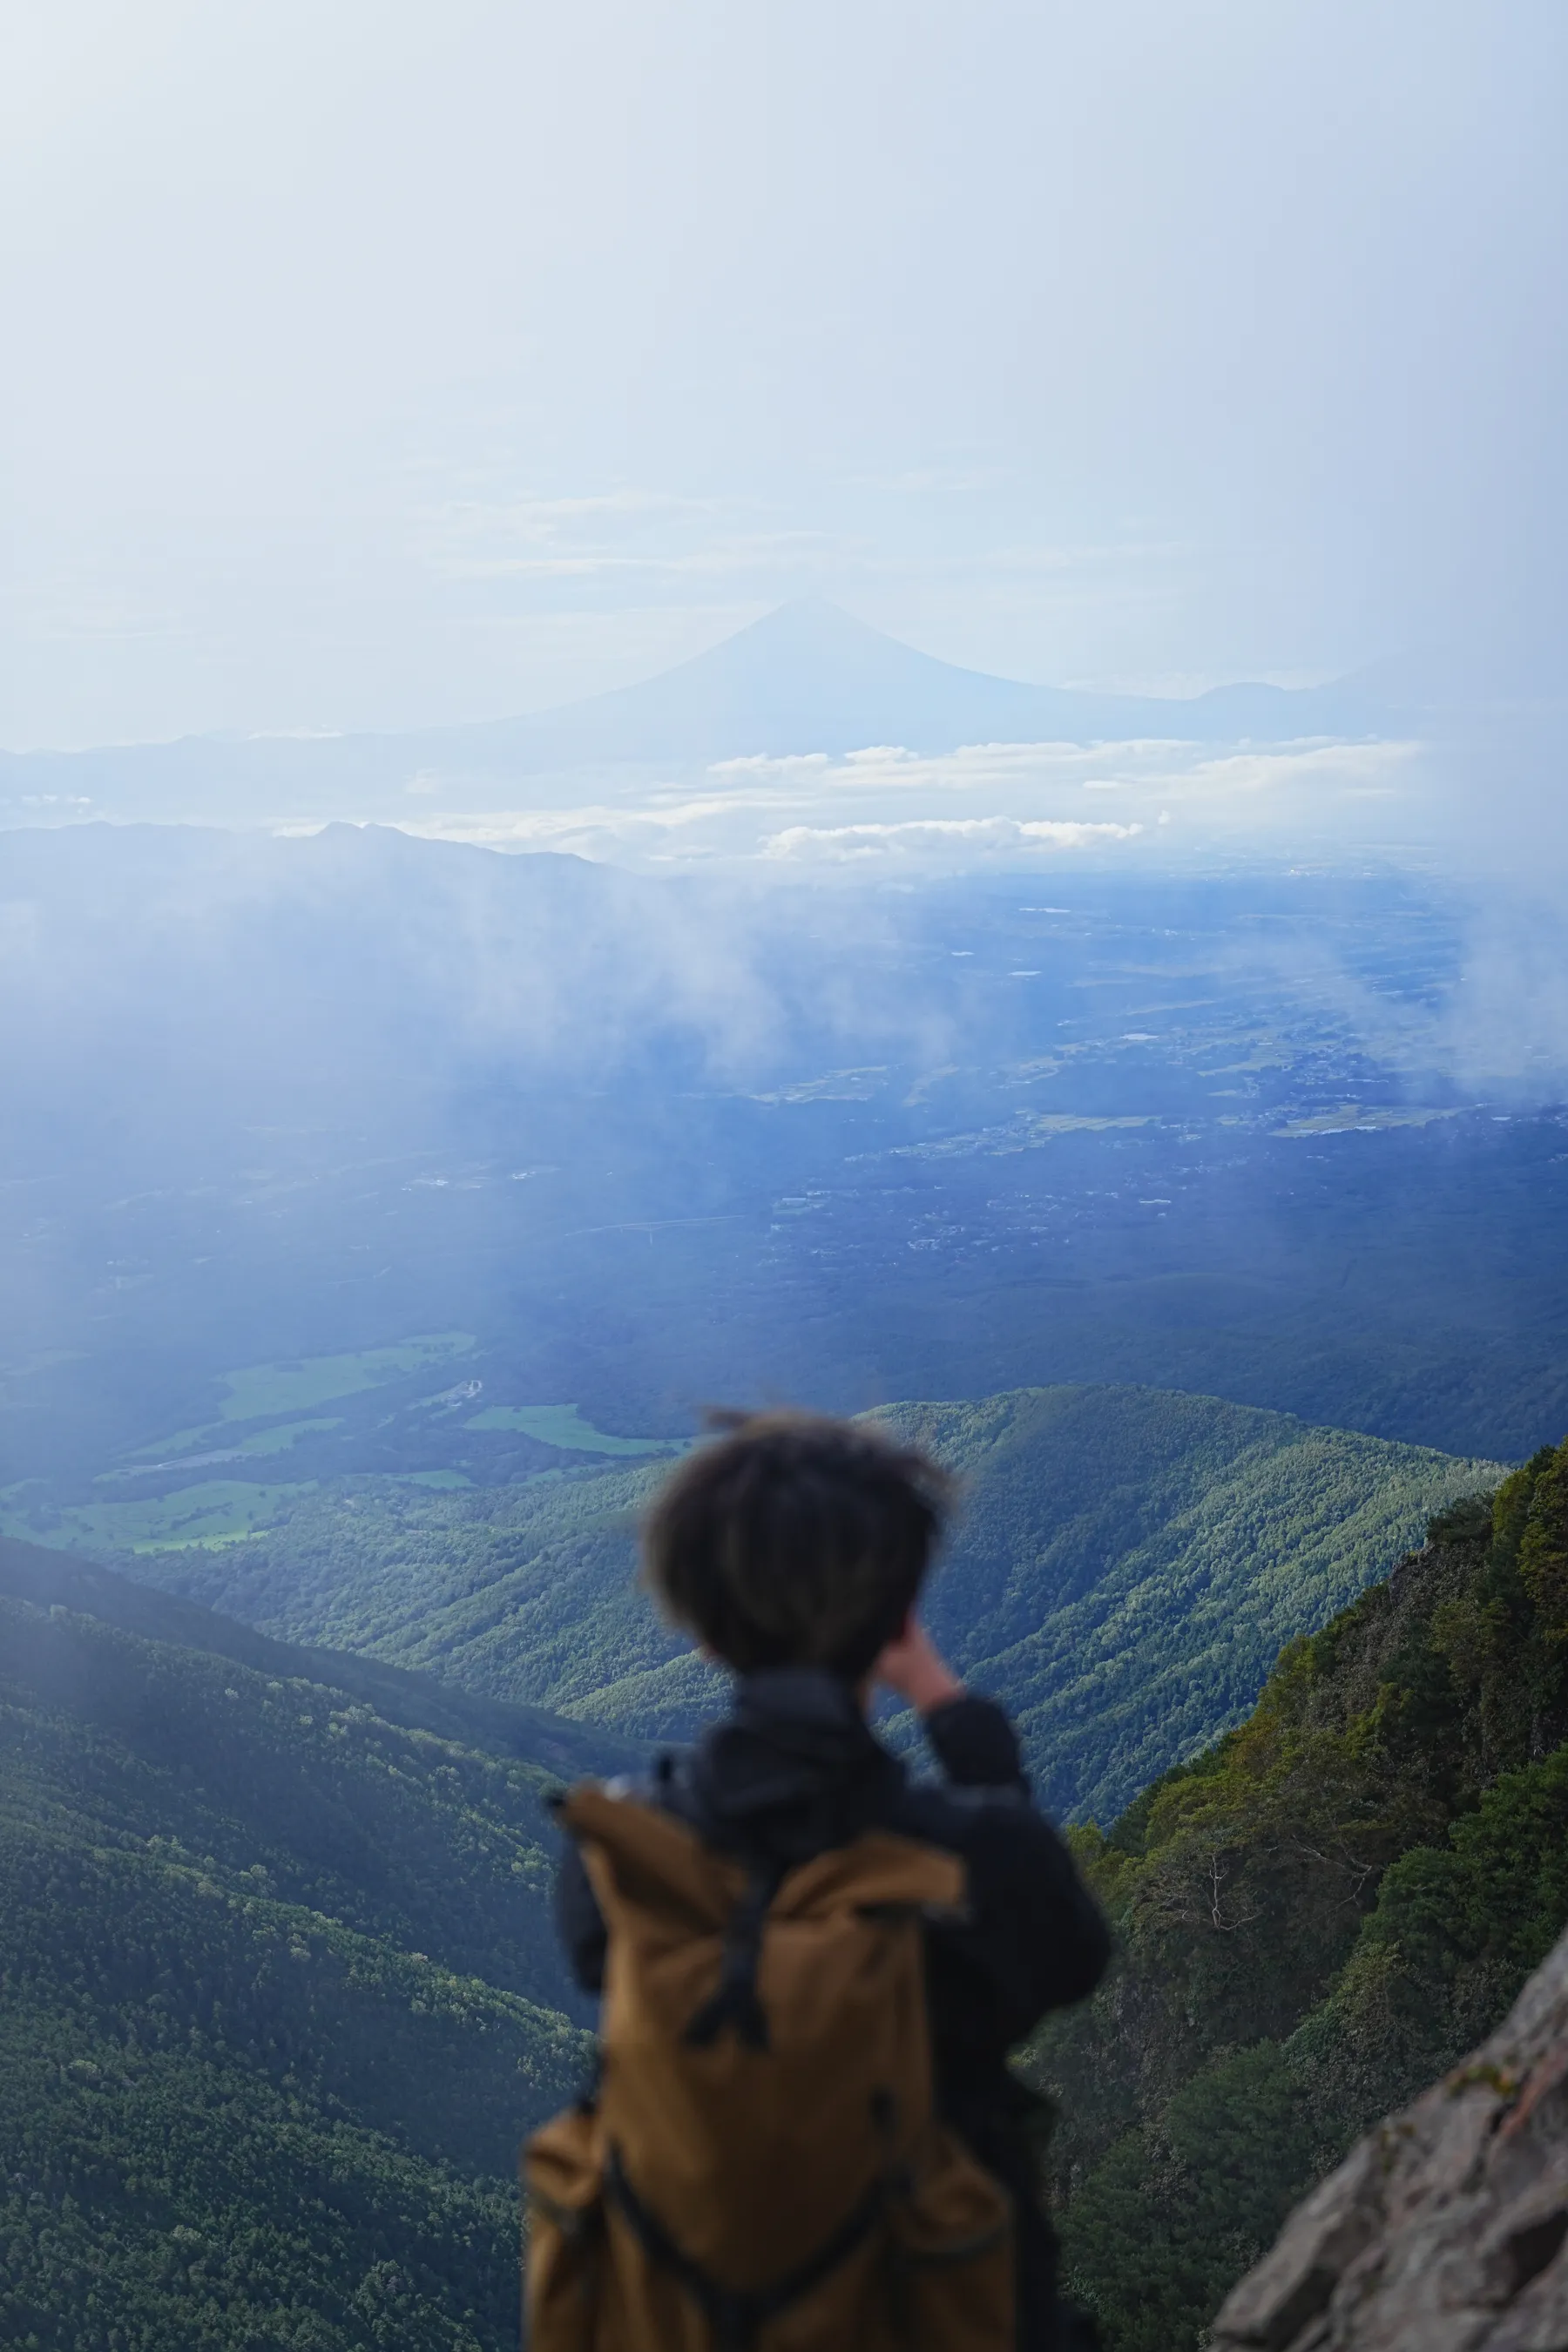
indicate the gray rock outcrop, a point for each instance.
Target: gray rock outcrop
{"x":1444,"y":2230}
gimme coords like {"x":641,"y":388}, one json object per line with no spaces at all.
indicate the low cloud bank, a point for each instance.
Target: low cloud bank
{"x":978,"y":837}
{"x":954,"y":810}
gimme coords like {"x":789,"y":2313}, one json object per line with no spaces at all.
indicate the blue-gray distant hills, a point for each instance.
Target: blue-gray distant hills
{"x":810,"y":677}
{"x":807,"y":677}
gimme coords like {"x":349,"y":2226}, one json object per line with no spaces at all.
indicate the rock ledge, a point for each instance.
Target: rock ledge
{"x":1444,"y":2230}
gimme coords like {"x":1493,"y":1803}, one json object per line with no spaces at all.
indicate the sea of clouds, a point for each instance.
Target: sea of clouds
{"x":886,"y":807}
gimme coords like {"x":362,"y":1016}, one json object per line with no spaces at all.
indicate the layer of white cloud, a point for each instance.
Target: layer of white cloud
{"x":978,"y":804}
{"x":967,"y":837}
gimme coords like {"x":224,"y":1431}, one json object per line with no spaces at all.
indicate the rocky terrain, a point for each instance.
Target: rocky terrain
{"x":1444,"y":2229}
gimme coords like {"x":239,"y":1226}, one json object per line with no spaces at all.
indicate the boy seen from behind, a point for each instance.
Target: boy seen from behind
{"x":806,"y":2137}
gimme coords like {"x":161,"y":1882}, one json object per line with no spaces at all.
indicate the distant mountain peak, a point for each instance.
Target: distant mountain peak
{"x":810,"y":639}
{"x":807,"y":676}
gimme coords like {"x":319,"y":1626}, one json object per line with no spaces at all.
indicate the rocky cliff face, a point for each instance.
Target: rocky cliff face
{"x":1444,"y":2230}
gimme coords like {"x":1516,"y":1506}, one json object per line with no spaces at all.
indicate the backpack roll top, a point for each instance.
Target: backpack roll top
{"x":763,"y":2164}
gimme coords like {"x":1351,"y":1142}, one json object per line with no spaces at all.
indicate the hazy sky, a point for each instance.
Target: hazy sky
{"x":369,"y":364}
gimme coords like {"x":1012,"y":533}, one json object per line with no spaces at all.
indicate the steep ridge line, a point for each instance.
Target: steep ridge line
{"x":1317,"y":1916}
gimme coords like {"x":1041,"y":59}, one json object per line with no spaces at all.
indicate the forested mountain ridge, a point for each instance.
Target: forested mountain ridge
{"x":1125,"y":1566}
{"x":280,"y":1988}
{"x":1129,"y":1561}
{"x":1319,"y":1915}
{"x":281,"y":1995}
{"x":415,"y":1701}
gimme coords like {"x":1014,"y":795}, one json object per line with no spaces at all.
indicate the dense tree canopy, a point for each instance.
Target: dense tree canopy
{"x":278,"y":1996}
{"x":280,"y":1992}
{"x":1318,"y":1915}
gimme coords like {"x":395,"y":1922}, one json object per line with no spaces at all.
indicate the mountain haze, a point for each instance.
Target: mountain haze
{"x":810,"y":678}
{"x":806,"y":677}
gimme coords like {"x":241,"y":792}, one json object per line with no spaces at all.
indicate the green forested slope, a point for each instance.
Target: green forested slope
{"x":278,"y":1991}
{"x":418,"y":1702}
{"x":524,"y":1592}
{"x":1126,"y":1566}
{"x":279,"y":1996}
{"x":1319,"y":1915}
{"x":1131,"y":1561}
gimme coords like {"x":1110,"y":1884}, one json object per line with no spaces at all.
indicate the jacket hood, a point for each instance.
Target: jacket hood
{"x":792,"y":1767}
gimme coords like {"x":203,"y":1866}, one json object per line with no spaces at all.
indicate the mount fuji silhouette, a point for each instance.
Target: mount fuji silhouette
{"x":810,"y":676}
{"x":806,"y":677}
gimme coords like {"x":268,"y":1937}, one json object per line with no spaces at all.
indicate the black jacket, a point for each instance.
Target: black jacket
{"x":794,"y":1771}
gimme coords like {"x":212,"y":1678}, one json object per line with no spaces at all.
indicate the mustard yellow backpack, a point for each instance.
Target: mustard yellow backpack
{"x":761,"y":2169}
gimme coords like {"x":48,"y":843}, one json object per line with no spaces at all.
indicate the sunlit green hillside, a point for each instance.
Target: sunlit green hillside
{"x":1131,"y":1561}
{"x":1127,"y":1564}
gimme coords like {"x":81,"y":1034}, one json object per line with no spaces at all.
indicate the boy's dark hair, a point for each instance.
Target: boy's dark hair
{"x":794,"y":1541}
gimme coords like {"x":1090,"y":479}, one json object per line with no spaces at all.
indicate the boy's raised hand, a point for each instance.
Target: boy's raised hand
{"x":912,"y":1666}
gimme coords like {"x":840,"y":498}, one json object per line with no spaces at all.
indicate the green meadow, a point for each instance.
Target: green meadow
{"x":219,"y":1511}
{"x":279,"y":1439}
{"x":563,"y":1425}
{"x":296,"y":1384}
